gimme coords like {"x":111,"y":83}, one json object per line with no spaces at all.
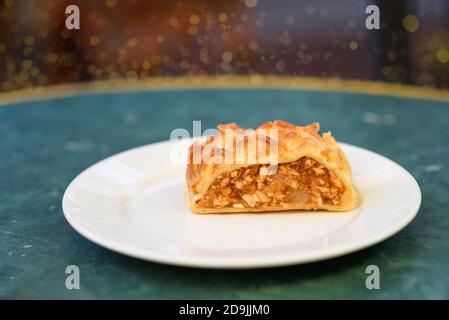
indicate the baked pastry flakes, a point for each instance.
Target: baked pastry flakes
{"x":277,"y":167}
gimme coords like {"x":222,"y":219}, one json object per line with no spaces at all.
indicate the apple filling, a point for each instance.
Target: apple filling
{"x":301,"y":182}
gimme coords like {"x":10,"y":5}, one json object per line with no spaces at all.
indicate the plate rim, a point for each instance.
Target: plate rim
{"x":248,"y":263}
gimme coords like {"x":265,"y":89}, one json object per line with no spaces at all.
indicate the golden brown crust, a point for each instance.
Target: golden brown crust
{"x":293,"y":142}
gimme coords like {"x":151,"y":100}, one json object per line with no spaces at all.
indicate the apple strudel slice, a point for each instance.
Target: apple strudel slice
{"x":277,"y":167}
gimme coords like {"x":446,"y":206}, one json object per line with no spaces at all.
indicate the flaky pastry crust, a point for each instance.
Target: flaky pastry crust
{"x":293,"y":143}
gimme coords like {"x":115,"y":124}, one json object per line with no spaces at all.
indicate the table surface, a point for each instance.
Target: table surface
{"x":45,"y":143}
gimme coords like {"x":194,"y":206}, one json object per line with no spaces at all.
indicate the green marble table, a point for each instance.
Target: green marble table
{"x":45,"y":143}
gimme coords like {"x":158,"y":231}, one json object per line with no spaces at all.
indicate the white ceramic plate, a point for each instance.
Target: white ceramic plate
{"x":133,"y":203}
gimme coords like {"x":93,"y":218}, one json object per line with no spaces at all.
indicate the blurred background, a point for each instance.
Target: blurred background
{"x":136,"y":39}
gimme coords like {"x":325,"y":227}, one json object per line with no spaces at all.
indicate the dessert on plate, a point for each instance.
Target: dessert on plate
{"x":277,"y":167}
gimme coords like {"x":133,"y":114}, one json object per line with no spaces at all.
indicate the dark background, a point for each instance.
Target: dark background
{"x":139,"y":39}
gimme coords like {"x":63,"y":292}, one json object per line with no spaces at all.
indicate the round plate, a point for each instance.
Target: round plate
{"x":133,"y":203}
